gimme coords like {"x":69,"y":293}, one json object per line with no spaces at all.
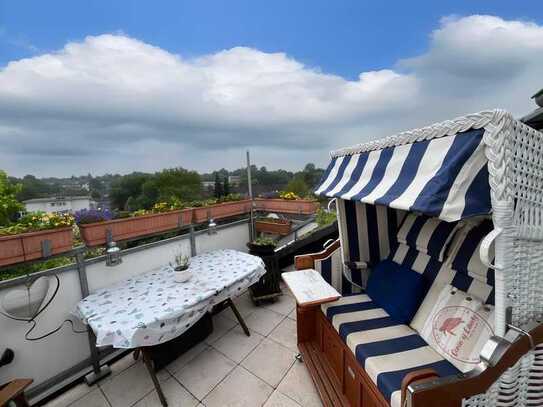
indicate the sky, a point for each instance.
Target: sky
{"x":116,"y":87}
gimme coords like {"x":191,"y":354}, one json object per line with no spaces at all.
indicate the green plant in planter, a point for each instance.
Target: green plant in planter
{"x":325,"y":218}
{"x":37,"y":221}
{"x":206,"y":202}
{"x":264,"y":241}
{"x":230,"y":198}
{"x":182,"y":262}
{"x":289,"y":196}
{"x":86,"y":216}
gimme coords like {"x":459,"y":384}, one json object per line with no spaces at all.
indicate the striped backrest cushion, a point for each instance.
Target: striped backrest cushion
{"x":331,"y":269}
{"x":420,"y":262}
{"x":367,"y":232}
{"x":426,"y":234}
{"x":464,"y":254}
{"x":438,"y":274}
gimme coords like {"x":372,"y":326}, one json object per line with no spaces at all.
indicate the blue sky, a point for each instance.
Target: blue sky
{"x":341,"y":37}
{"x":120,"y":86}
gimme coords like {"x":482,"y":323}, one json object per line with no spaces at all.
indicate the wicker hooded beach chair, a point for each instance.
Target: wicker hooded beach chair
{"x":461,"y":204}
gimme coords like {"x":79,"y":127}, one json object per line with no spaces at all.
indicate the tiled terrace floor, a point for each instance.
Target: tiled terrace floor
{"x":228,"y":369}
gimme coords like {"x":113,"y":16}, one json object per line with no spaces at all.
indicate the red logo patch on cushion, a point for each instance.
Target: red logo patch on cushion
{"x":456,"y":329}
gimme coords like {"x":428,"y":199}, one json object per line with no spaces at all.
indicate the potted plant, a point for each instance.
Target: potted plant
{"x":275,"y":226}
{"x":288,"y":202}
{"x":224,"y":207}
{"x":268,"y":286}
{"x":26,"y":239}
{"x":181,"y":268}
{"x":94,"y":224}
{"x":262,"y":246}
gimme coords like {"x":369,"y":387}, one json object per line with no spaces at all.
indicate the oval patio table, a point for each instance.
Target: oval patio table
{"x":152,"y":308}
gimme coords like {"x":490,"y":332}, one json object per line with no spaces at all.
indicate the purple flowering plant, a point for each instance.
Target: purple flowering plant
{"x":84,"y":216}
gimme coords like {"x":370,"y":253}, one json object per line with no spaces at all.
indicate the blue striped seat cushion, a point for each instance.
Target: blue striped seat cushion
{"x":385,"y":349}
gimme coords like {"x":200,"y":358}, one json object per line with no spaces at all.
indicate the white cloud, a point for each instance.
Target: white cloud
{"x":113,"y":103}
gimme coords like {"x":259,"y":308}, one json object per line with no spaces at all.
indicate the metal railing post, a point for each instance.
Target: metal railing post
{"x":98,"y":372}
{"x":192,"y":241}
{"x":250,"y":187}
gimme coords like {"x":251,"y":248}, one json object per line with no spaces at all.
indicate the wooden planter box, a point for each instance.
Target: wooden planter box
{"x":28,"y":246}
{"x":297,"y":206}
{"x":95,"y":234}
{"x":275,"y":227}
{"x":221,"y":211}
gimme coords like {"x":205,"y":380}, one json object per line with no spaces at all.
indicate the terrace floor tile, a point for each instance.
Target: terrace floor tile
{"x":204,"y":372}
{"x":269,"y":361}
{"x":241,"y":389}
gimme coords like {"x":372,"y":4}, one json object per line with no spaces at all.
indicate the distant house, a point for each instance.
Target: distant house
{"x":234,"y":180}
{"x":209,"y":185}
{"x":64,"y":204}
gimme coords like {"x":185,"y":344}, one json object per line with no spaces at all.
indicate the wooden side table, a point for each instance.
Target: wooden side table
{"x":310,"y":291}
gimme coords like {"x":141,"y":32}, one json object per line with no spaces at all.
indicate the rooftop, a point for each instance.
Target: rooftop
{"x":58,"y":198}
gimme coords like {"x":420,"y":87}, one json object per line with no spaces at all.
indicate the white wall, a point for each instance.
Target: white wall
{"x":49,"y":357}
{"x":70,"y":205}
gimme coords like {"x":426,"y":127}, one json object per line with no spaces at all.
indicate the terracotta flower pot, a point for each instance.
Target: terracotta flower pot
{"x":276,"y":227}
{"x":222,"y":210}
{"x":95,"y":234}
{"x":28,"y":246}
{"x":295,"y":206}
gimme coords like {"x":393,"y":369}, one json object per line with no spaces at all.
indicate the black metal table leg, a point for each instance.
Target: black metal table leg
{"x":238,"y":316}
{"x":149,"y":364}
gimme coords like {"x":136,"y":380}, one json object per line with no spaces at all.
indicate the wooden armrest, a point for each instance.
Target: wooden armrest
{"x":457,"y":387}
{"x":419,"y":376}
{"x":13,"y":390}
{"x":307,"y":261}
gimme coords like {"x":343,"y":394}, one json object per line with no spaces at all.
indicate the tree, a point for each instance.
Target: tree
{"x":148,"y":189}
{"x":150,"y":194}
{"x":311,"y":174}
{"x":127,"y":186}
{"x":96,"y":187}
{"x":298,"y":186}
{"x":218,"y":186}
{"x":178,"y":183}
{"x":9,"y":205}
{"x":226,"y":186}
{"x":131,"y":204}
{"x":31,"y":187}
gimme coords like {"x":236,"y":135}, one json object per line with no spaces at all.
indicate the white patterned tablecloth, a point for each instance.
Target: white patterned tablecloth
{"x":152,"y":308}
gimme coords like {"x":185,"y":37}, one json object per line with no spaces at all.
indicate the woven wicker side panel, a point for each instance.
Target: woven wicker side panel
{"x":525,"y":283}
{"x":524,"y":177}
{"x":521,"y":386}
{"x":517,"y":167}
